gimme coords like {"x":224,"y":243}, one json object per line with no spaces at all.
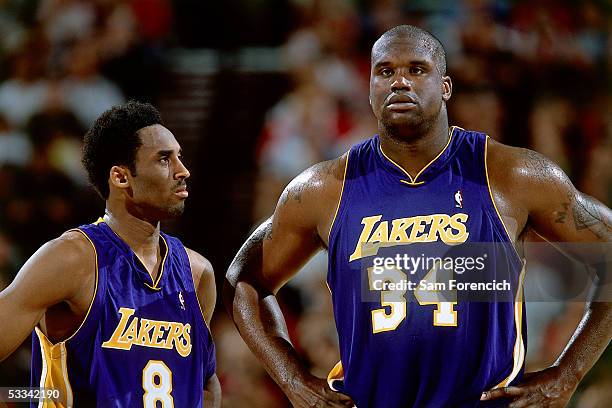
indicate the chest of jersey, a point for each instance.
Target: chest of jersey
{"x":401,"y":249}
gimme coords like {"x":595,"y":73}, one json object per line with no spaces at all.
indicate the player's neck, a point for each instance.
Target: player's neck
{"x":415,"y":151}
{"x":142,"y":236}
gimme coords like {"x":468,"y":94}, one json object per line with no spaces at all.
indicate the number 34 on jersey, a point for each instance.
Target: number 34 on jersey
{"x":393,"y":302}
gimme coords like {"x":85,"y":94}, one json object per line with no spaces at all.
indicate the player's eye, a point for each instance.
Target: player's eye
{"x":416,"y":70}
{"x":164,"y":160}
{"x":386,"y":72}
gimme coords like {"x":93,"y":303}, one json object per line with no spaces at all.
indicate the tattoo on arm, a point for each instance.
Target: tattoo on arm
{"x":294,"y":193}
{"x":268,"y":232}
{"x":561,"y":216}
{"x":587,"y":216}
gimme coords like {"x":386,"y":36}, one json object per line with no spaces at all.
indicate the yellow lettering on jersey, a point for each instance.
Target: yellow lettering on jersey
{"x":130,"y":334}
{"x":457,"y":222}
{"x":398,"y":232}
{"x":114,"y":341}
{"x":437,"y":229}
{"x":158,"y":334}
{"x":451,"y":230}
{"x":183,"y":343}
{"x":144,"y":334}
{"x":132,"y":330}
{"x":420,"y":223}
{"x":368,"y":225}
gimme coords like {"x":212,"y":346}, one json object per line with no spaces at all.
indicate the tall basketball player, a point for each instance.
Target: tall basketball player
{"x":119,"y":309}
{"x":422,"y":186}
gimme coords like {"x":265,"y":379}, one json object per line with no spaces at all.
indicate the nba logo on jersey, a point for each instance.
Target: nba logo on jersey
{"x":458,"y":199}
{"x":181,"y":300}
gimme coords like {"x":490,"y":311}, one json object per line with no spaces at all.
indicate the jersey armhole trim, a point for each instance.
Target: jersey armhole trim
{"x":195,"y":291}
{"x":335,"y":374}
{"x":499,"y":216}
{"x":331,"y":226}
{"x":54,"y":372}
{"x":518,"y":354}
{"x":95,"y":293}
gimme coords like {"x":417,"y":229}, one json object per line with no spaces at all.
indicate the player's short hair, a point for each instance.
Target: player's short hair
{"x":429,"y":40}
{"x":113,"y":140}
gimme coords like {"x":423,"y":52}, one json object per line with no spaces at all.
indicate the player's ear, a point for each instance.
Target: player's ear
{"x":119,"y":176}
{"x":447,"y":87}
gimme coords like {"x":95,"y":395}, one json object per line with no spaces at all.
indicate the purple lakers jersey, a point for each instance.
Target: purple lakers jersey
{"x":143,"y":343}
{"x":426,"y":283}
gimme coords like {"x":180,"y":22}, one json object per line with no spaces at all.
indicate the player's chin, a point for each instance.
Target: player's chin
{"x":175,"y":210}
{"x":400,"y":119}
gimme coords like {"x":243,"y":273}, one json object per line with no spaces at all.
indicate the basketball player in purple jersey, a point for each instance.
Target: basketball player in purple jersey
{"x":418,"y":183}
{"x":119,"y":309}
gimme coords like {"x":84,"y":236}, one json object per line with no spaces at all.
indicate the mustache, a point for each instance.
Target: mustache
{"x":180,"y":184}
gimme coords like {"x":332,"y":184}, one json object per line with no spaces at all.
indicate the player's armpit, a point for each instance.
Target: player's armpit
{"x":62,"y":270}
{"x":204,"y":281}
{"x":298,"y":228}
{"x":212,"y":393}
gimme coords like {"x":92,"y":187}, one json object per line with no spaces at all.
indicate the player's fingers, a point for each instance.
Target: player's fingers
{"x":501,"y":393}
{"x":341,"y":400}
{"x":527,"y":400}
{"x":520,"y":403}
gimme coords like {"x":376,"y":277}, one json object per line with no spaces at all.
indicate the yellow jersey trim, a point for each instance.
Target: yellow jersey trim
{"x":510,"y":239}
{"x":163,"y":265}
{"x":518,"y":354}
{"x":93,"y":298}
{"x":413,"y":181}
{"x":348,"y":155}
{"x":336,"y":374}
{"x":196,"y":293}
{"x":161,"y":272}
{"x":55,"y":371}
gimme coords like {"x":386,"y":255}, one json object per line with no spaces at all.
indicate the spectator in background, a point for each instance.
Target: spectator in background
{"x":23,"y":93}
{"x":85,"y":91}
{"x":15,"y":147}
{"x":67,"y":21}
{"x":56,"y":131}
{"x":9,"y":261}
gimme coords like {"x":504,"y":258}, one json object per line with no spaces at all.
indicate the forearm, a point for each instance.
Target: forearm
{"x":588,"y":342}
{"x":212,"y":393}
{"x":262,"y":326}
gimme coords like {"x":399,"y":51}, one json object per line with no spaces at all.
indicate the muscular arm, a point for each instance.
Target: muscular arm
{"x":581,"y":226}
{"x":204,"y":281}
{"x":267,"y":260}
{"x":62,"y":270}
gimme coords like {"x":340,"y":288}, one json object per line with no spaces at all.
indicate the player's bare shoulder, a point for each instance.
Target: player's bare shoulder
{"x":312,"y":197}
{"x":204,"y":282}
{"x":72,"y":257}
{"x":62,"y":270}
{"x":527,"y":174}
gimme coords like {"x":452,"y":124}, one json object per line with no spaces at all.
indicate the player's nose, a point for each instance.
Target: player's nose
{"x":182,"y":172}
{"x":400,"y":82}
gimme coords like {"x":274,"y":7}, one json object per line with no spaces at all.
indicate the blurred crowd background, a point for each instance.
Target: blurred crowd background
{"x":258,"y":90}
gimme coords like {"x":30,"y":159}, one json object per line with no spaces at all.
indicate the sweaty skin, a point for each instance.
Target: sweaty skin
{"x":530,"y":192}
{"x":55,"y":287}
